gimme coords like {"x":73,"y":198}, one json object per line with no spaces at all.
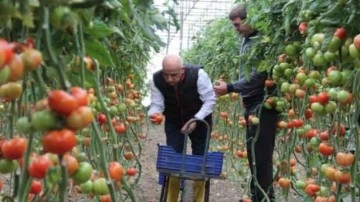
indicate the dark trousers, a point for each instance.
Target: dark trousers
{"x":175,"y":139}
{"x":263,"y":147}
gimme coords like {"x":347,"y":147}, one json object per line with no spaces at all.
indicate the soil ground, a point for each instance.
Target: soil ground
{"x":149,"y":189}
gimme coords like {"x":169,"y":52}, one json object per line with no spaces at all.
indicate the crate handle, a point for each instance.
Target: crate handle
{"x":206,"y":144}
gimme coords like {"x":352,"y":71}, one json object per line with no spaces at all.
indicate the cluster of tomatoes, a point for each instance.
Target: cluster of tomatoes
{"x":15,"y":59}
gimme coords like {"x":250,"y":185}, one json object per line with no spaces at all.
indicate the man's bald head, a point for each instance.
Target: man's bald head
{"x":173,"y":69}
{"x":172,"y":62}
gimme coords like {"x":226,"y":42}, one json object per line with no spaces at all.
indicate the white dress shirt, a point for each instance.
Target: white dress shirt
{"x":204,"y":88}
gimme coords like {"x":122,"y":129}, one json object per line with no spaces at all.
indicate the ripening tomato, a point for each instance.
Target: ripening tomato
{"x":80,"y":118}
{"x":62,"y":102}
{"x":11,"y":90}
{"x":59,"y":141}
{"x":341,"y":132}
{"x":311,"y":189}
{"x":344,"y":159}
{"x":157,"y":118}
{"x":32,"y":58}
{"x":71,"y":163}
{"x":303,"y":26}
{"x":80,"y":95}
{"x":16,"y":67}
{"x":325,"y":149}
{"x":357,"y":41}
{"x":284,"y":182}
{"x":340,"y":33}
{"x":105,"y":198}
{"x":39,"y":167}
{"x":342,"y":177}
{"x":35,"y":187}
{"x":14,"y":148}
{"x":128,"y":155}
{"x":116,"y":170}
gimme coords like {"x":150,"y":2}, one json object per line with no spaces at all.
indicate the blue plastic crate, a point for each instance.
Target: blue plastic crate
{"x":169,"y":160}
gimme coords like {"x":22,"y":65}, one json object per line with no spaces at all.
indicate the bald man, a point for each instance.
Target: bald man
{"x":182,"y":92}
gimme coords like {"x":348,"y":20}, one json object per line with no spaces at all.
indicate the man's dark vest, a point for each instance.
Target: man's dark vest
{"x":183,"y":101}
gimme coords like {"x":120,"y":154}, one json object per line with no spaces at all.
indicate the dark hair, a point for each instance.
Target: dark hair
{"x":239,"y":11}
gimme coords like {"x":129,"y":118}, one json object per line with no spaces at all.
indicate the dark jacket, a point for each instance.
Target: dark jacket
{"x":181,"y":102}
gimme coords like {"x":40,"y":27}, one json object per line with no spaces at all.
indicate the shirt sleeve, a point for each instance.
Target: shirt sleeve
{"x":157,"y":100}
{"x":244,"y":85}
{"x":207,"y":95}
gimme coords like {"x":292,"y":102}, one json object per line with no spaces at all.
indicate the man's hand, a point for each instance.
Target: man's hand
{"x":220,"y":88}
{"x":156,"y":118}
{"x":191,"y":127}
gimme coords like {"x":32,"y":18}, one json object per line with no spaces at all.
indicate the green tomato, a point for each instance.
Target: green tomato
{"x":335,"y":77}
{"x":100,"y":187}
{"x":319,"y":59}
{"x":334,"y":44}
{"x":43,"y":120}
{"x":7,"y":165}
{"x":290,"y":50}
{"x":83,"y":173}
{"x":4,"y":74}
{"x":24,"y":125}
{"x":87,"y":187}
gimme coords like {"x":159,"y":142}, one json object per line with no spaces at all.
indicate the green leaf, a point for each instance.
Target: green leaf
{"x":99,"y":51}
{"x":99,"y":29}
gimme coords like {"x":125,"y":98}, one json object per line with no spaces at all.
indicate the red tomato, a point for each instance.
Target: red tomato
{"x":340,"y":33}
{"x":308,"y":114}
{"x":120,"y":128}
{"x":39,"y":167}
{"x":62,"y":102}
{"x":59,"y":141}
{"x":116,"y":171}
{"x":325,"y":149}
{"x":80,"y":95}
{"x":36,"y":187}
{"x":312,"y":99}
{"x":324,"y":136}
{"x":14,"y":148}
{"x":101,"y":118}
{"x":323,"y":97}
{"x":340,"y":132}
{"x":6,"y":53}
{"x":131,"y":171}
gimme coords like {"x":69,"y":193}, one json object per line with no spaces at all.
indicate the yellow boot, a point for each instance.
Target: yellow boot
{"x":173,"y":190}
{"x":199,"y":191}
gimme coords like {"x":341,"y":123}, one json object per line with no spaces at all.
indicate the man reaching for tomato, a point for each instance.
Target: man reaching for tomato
{"x":182,"y":93}
{"x":260,"y":134}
